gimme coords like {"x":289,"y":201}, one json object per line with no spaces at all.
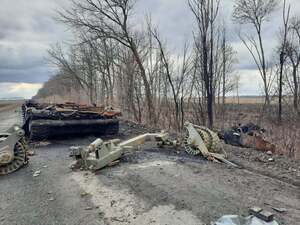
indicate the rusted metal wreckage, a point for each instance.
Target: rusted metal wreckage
{"x":247,"y":135}
{"x":44,"y":121}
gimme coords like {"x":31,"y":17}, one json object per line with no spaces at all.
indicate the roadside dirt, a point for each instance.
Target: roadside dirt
{"x":163,"y":186}
{"x":10,"y":113}
{"x":276,"y":166}
{"x":153,"y":186}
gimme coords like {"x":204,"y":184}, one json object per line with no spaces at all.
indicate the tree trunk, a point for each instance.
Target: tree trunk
{"x":296,"y":88}
{"x":211,"y":96}
{"x":223,"y":80}
{"x":264,"y":69}
{"x":151,"y":114}
{"x":280,"y":87}
{"x":210,"y":110}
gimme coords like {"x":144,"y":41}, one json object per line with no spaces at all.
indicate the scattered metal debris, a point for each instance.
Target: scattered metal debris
{"x":280,"y":210}
{"x":84,"y":194}
{"x":276,"y":209}
{"x":264,"y":159}
{"x":261,"y":214}
{"x":269,"y":153}
{"x":36,"y":173}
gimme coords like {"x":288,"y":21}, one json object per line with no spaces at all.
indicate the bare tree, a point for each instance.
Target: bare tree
{"x":66,"y":63}
{"x":237,"y":81}
{"x":293,"y":53}
{"x":165,"y":62}
{"x":109,"y":19}
{"x":227,"y":81}
{"x":256,"y":12}
{"x":283,"y":55}
{"x":113,"y":62}
{"x":205,"y":12}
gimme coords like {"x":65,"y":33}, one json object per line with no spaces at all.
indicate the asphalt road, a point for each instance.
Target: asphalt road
{"x":52,"y":198}
{"x":10,"y":116}
{"x":154,"y":186}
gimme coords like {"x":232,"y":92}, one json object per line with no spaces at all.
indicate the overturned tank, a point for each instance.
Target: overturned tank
{"x":47,"y":121}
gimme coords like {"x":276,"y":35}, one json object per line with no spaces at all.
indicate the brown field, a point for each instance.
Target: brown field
{"x":6,"y":105}
{"x":245,"y":100}
{"x":254,"y":100}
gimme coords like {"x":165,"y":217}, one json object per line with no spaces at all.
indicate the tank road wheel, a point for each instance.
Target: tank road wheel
{"x":20,"y":159}
{"x":188,"y":148}
{"x":215,"y":144}
{"x":210,"y":139}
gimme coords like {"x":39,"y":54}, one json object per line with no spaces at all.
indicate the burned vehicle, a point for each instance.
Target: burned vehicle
{"x":247,"y":135}
{"x":46,"y":121}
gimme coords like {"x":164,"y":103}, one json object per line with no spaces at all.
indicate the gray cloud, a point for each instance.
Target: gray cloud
{"x":27,"y":29}
{"x":37,"y":74}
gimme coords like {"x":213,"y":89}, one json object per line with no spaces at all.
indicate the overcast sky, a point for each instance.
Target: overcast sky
{"x":27,"y":29}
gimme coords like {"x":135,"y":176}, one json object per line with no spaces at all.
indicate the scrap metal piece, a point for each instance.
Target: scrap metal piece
{"x":13,"y":150}
{"x":99,"y":154}
{"x":262,"y":214}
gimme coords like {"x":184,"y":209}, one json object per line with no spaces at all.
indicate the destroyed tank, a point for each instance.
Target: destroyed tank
{"x":47,"y":121}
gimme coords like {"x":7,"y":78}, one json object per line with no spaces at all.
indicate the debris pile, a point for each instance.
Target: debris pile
{"x":198,"y":141}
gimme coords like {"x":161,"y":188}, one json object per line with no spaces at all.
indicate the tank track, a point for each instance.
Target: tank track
{"x":20,"y":158}
{"x":210,"y":139}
